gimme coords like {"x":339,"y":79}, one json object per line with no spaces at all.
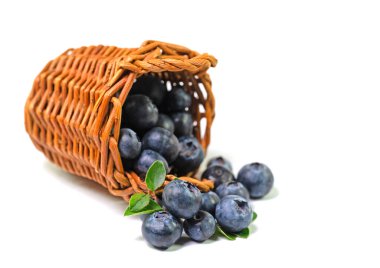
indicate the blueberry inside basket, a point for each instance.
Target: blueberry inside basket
{"x":75,"y":109}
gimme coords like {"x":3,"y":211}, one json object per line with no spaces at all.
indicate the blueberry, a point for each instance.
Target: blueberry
{"x":150,"y":86}
{"x":161,"y":229}
{"x":139,"y":113}
{"x":201,"y":227}
{"x":220,"y":161}
{"x":190,"y":155}
{"x":183,"y":124}
{"x":143,"y":216}
{"x":232,"y":188}
{"x":129,"y":144}
{"x":145,"y":160}
{"x":182,"y":199}
{"x":233,"y":213}
{"x":258,"y":179}
{"x":218,"y":174}
{"x":209,"y":202}
{"x":166,"y":122}
{"x":177,"y":100}
{"x":163,"y":142}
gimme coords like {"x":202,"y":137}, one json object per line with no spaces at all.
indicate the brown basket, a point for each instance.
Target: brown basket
{"x":73,"y":113}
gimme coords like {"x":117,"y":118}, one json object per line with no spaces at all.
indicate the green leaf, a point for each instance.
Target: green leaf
{"x":243,"y":233}
{"x":220,"y":231}
{"x":155,"y":176}
{"x":150,"y":208}
{"x":138,"y":201}
{"x":254,"y":216}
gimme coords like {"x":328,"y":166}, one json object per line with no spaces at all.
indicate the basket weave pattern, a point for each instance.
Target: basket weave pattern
{"x":73,"y":113}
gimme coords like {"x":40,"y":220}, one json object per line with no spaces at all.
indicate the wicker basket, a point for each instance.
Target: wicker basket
{"x":73,"y":113}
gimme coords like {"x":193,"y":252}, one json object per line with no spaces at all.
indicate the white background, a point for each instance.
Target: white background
{"x":296,"y":87}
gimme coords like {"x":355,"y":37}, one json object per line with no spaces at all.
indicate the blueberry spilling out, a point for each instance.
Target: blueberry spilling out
{"x":166,"y":122}
{"x":258,"y":179}
{"x":150,"y":86}
{"x":182,"y":199}
{"x":157,"y":124}
{"x":129,"y":144}
{"x":209,"y":202}
{"x":183,"y":124}
{"x":139,"y":113}
{"x":201,"y":227}
{"x":177,"y":100}
{"x":220,"y":161}
{"x":145,"y":160}
{"x":161,"y":229}
{"x":233,"y":213}
{"x":190,"y":155}
{"x":218,"y":174}
{"x":232,"y":188}
{"x":163,"y":142}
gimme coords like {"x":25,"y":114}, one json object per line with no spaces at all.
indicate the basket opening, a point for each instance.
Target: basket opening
{"x":191,"y":84}
{"x":188,"y":121}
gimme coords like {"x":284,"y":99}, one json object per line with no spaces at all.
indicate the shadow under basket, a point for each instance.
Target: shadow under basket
{"x":73,"y":113}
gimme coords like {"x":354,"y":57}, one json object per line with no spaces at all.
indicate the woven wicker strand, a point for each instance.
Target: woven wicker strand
{"x":73,"y":113}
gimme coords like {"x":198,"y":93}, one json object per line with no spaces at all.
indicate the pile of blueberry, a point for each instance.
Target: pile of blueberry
{"x":157,"y":137}
{"x":225,"y":211}
{"x":157,"y":125}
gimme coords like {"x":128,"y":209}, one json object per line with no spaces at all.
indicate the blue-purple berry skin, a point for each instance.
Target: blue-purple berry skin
{"x":139,"y":113}
{"x":209,"y":202}
{"x":257,"y":178}
{"x":220,"y":161}
{"x":166,"y":122}
{"x":163,"y":142}
{"x":232,"y":188}
{"x":150,"y":86}
{"x":218,"y":175}
{"x":183,"y":124}
{"x":190,"y":155}
{"x":177,"y":100}
{"x":129,"y":144}
{"x":145,"y":160}
{"x":201,"y":227}
{"x":233,"y":213}
{"x":161,"y":229}
{"x":182,"y":199}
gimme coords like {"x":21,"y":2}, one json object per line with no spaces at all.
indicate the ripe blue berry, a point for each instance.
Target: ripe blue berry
{"x":190,"y":155}
{"x":218,"y":174}
{"x":177,"y":100}
{"x":209,"y":202}
{"x":163,"y":142}
{"x":220,"y":161}
{"x":233,"y":213}
{"x":166,"y":122}
{"x":139,"y":113}
{"x":145,"y":160}
{"x":161,"y":229}
{"x":232,"y":188}
{"x":258,"y":179}
{"x":183,"y":124}
{"x":150,"y":86}
{"x":129,"y":144}
{"x":201,"y":227}
{"x":182,"y":199}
